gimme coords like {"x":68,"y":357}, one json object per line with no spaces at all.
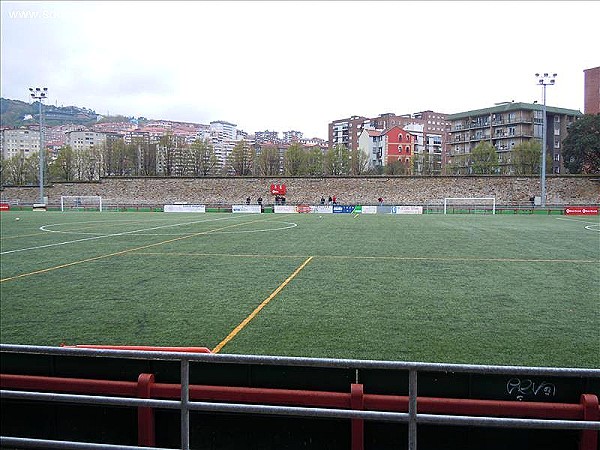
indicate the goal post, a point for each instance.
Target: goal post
{"x":469,"y":204}
{"x":78,"y":202}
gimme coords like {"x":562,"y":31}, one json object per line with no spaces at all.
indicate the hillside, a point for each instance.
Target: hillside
{"x":16,"y":113}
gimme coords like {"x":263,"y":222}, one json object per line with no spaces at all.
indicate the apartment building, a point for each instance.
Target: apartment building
{"x":591,"y":91}
{"x":384,"y":147}
{"x":85,"y":140}
{"x":505,"y":126}
{"x":223,"y":136}
{"x":19,"y":142}
{"x":346,"y":132}
{"x":261,"y":137}
{"x":292,"y":136}
{"x":432,"y":127}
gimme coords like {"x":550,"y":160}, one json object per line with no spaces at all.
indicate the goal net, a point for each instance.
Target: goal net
{"x":80,"y":202}
{"x":470,"y":205}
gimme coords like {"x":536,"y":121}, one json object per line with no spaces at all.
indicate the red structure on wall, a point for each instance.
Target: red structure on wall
{"x":278,"y":189}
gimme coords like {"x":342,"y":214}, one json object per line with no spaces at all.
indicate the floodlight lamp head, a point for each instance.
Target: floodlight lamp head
{"x":546,"y":75}
{"x":537,"y":75}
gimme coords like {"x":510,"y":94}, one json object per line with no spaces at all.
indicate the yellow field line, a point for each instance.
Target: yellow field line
{"x":122,"y":252}
{"x":265,"y":302}
{"x":395,"y":258}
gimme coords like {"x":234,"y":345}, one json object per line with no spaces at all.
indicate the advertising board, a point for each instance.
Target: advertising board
{"x":321,"y":209}
{"x":581,"y":210}
{"x":248,"y":209}
{"x":407,"y":210}
{"x":369,"y":209}
{"x":185,"y":208}
{"x":4,"y":206}
{"x":347,"y":209}
{"x":284,"y":209}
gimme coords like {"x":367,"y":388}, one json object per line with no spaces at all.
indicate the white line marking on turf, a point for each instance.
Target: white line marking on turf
{"x":593,"y":226}
{"x":56,"y":244}
{"x":577,"y":220}
{"x":288,"y":225}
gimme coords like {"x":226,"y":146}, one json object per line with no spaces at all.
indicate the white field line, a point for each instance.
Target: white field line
{"x":55,"y":244}
{"x":592,"y":226}
{"x":577,"y":220}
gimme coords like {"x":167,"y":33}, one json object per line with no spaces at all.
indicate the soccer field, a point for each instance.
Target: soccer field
{"x":480,"y":289}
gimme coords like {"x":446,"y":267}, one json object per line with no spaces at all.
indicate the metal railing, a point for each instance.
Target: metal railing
{"x":412,"y":418}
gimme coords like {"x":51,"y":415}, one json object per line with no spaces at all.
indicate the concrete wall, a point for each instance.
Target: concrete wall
{"x":561,"y":190}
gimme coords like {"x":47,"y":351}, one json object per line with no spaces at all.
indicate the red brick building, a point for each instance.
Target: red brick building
{"x":592,"y":91}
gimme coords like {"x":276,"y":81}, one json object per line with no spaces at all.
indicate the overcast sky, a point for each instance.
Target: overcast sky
{"x":282,"y":65}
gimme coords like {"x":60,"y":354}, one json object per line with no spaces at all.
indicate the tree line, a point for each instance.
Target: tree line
{"x":171,"y":156}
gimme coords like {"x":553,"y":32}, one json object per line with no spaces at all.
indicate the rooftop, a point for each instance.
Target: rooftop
{"x":506,"y":107}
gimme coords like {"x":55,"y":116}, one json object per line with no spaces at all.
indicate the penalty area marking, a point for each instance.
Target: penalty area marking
{"x":592,"y":226}
{"x":102,"y":236}
{"x":141,"y":232}
{"x":123,"y":252}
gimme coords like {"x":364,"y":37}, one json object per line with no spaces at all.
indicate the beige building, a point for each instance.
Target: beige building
{"x":85,"y":140}
{"x":505,"y":126}
{"x":20,"y":141}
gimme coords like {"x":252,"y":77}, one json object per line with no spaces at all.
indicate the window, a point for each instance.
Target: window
{"x":399,"y":137}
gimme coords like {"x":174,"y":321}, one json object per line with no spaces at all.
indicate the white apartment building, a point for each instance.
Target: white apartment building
{"x":223,"y":136}
{"x":19,"y":141}
{"x":85,"y":140}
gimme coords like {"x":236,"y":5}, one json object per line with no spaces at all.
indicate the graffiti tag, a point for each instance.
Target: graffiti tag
{"x":528,"y":388}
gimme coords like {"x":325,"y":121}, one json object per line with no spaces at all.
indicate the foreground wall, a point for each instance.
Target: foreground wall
{"x":561,"y":190}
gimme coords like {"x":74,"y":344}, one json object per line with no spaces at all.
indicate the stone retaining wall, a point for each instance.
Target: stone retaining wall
{"x":561,"y":190}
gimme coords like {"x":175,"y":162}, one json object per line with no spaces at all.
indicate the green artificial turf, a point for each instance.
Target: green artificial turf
{"x":480,"y":289}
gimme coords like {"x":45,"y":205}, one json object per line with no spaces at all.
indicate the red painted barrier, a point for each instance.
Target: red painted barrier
{"x":587,"y":409}
{"x":591,"y":411}
{"x":143,"y":348}
{"x":146,"y":435}
{"x":357,"y":401}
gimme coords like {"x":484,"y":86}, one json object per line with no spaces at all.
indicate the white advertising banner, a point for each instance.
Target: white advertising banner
{"x":407,"y":210}
{"x":369,"y":209}
{"x":285,"y":209}
{"x":321,"y":209}
{"x":185,"y":208}
{"x":248,"y":209}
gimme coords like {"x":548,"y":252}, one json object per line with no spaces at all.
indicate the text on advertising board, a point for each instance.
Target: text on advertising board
{"x":581,"y":210}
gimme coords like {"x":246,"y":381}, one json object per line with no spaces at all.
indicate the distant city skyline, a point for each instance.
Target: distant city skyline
{"x":250,"y":64}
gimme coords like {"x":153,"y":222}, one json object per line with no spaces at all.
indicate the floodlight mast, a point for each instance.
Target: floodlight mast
{"x":544,"y":80}
{"x":40,"y":94}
